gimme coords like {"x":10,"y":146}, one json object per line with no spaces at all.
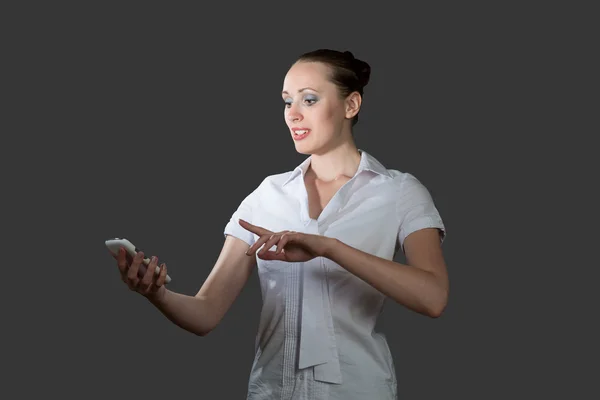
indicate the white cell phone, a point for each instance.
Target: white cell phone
{"x":116,"y":243}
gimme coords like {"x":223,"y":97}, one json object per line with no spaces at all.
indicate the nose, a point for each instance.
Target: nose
{"x":293,"y":115}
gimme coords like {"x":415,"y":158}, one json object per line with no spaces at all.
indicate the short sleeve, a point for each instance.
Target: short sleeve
{"x":244,"y":211}
{"x":416,"y":210}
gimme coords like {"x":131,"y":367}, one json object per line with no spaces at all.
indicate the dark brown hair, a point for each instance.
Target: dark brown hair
{"x":348,"y":73}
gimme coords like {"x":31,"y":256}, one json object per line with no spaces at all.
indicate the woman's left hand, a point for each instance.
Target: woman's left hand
{"x":291,"y":246}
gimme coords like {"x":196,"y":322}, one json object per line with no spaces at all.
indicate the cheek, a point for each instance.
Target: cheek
{"x":326,"y":114}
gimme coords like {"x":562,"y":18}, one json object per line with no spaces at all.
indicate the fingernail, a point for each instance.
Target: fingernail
{"x":154,"y":259}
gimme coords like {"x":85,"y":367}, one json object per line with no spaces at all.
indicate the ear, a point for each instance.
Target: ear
{"x":353,"y":102}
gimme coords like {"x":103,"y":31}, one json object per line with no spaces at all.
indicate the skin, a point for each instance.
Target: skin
{"x":313,"y":102}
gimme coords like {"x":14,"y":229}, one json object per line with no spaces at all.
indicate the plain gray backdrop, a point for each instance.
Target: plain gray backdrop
{"x":153,"y":122}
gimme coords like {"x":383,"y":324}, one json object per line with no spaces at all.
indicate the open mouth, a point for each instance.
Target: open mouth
{"x":300,"y":134}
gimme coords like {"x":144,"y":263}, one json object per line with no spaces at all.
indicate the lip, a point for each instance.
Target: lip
{"x":300,"y":137}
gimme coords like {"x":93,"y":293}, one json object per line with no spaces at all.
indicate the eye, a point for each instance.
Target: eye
{"x":310,"y":100}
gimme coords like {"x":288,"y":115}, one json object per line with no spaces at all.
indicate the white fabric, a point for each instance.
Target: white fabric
{"x":316,"y":336}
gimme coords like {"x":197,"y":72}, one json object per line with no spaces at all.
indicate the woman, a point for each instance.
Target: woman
{"x":323,"y":238}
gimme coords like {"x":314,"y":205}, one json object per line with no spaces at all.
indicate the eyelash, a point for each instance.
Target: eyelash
{"x":313,"y":101}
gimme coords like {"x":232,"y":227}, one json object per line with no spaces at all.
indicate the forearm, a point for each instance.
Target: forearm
{"x":188,"y":312}
{"x":415,"y":288}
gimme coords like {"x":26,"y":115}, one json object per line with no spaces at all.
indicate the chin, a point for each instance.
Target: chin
{"x":301,"y":150}
{"x":307,"y":147}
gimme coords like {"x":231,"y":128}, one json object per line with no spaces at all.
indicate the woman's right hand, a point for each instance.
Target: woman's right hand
{"x":147,"y":284}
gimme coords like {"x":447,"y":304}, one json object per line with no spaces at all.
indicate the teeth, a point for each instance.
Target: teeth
{"x":300,"y":132}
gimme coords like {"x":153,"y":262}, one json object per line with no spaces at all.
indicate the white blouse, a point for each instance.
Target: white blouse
{"x":316,"y":337}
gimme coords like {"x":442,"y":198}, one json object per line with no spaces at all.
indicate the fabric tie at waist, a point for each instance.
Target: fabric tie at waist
{"x":318,"y":346}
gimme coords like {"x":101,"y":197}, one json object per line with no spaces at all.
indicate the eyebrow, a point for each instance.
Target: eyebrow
{"x":301,"y":90}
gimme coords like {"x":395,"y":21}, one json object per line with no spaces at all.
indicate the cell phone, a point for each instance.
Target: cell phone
{"x":116,"y":243}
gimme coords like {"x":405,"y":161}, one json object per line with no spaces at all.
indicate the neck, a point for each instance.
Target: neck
{"x":342,"y":160}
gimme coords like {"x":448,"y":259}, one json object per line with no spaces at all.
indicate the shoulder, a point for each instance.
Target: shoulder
{"x":397,"y":180}
{"x":409,"y":191}
{"x":404,"y":182}
{"x":274,"y":182}
{"x":277,"y":179}
{"x":415,"y":205}
{"x":270,"y":183}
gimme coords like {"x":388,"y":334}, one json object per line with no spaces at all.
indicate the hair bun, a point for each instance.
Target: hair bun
{"x":363,"y":71}
{"x":360,"y":68}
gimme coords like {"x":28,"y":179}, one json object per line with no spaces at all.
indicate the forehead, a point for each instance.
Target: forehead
{"x":307,"y":74}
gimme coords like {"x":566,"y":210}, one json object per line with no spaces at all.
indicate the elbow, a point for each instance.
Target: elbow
{"x":203,"y":331}
{"x":436,"y":312}
{"x":437,"y":308}
{"x":206,"y":322}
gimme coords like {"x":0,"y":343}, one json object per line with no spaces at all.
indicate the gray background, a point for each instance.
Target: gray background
{"x":153,"y":122}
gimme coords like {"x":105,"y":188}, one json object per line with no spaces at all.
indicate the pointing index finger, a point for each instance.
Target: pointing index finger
{"x":253,"y":228}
